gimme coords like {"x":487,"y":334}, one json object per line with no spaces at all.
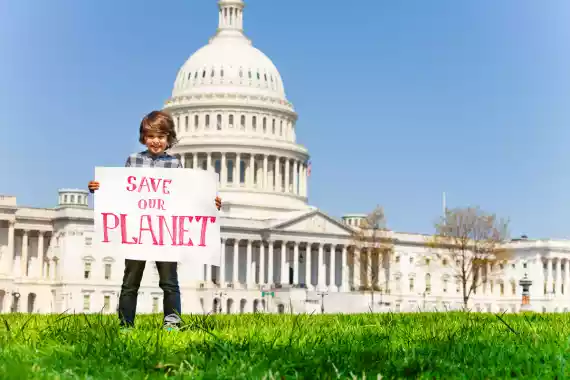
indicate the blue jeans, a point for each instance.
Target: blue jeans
{"x":168,"y":282}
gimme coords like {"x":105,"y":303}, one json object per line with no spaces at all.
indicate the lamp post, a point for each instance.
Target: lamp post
{"x":525,"y":283}
{"x":322,"y":294}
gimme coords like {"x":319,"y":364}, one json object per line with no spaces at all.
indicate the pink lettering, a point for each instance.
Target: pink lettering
{"x":182,"y":230}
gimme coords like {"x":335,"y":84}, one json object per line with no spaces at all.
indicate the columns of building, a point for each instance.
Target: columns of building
{"x":272,"y":171}
{"x":28,"y":263}
{"x":277,"y":258}
{"x":566,"y":278}
{"x":7,"y":258}
{"x":555,"y":274}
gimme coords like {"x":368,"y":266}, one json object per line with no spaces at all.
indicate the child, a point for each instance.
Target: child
{"x":158,"y":134}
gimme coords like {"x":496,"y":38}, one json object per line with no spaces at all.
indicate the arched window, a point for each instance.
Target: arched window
{"x":219,"y":122}
{"x":254,"y":123}
{"x":207,"y":121}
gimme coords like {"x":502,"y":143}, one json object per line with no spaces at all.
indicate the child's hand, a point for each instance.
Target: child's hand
{"x":218,"y":202}
{"x":93,"y":185}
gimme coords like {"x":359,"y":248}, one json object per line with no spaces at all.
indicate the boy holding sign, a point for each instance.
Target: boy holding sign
{"x":158,"y":134}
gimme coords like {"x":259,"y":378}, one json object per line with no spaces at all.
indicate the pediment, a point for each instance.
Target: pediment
{"x":315,"y":222}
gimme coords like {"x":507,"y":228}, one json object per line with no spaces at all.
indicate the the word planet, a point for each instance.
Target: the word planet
{"x":157,"y":229}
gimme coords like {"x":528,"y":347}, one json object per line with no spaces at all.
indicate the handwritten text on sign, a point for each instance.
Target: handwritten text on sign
{"x":158,"y":214}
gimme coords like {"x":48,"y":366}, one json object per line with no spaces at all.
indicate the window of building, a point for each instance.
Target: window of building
{"x":411,"y":284}
{"x":230,"y":173}
{"x":445,"y":285}
{"x":264,"y":125}
{"x":107,"y":303}
{"x":242,"y":171}
{"x":218,"y":166}
{"x":196,"y":121}
{"x":254,"y":123}
{"x":428,"y":283}
{"x":86,"y":302}
{"x":207,"y":121}
{"x":231,"y":121}
{"x":107,"y":271}
{"x":88,"y":240}
{"x":186,"y":123}
{"x":87,"y":271}
{"x":513,"y":288}
{"x":242,"y":122}
{"x":219,"y":122}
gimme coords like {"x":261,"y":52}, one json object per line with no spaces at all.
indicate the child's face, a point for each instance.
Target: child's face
{"x":156,"y":143}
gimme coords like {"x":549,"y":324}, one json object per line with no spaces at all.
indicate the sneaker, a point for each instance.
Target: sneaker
{"x":172,"y":322}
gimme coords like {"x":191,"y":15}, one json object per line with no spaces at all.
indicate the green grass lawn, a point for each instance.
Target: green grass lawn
{"x":427,"y":346}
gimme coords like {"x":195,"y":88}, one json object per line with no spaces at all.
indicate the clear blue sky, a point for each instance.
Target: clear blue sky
{"x":398,"y":101}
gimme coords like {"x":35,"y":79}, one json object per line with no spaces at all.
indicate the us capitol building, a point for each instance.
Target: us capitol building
{"x":278,"y":253}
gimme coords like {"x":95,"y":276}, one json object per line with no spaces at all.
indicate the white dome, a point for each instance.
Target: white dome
{"x":229,"y":63}
{"x":232,"y":117}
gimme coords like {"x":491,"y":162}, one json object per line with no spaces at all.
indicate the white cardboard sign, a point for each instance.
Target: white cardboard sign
{"x":157,"y":214}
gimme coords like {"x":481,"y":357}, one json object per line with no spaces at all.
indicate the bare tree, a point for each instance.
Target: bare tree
{"x":370,"y":252}
{"x":472,"y":243}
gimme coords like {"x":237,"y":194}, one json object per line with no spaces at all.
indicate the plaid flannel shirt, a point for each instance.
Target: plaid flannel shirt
{"x":146,"y":160}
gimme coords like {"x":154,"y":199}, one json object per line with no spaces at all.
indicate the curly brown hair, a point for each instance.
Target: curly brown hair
{"x":158,"y":122}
